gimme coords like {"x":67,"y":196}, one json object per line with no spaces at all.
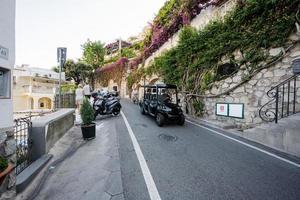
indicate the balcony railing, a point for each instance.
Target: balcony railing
{"x":39,"y":89}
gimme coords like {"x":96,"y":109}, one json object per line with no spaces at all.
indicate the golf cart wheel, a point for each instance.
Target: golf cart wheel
{"x":142,"y":110}
{"x":181,"y":120}
{"x":160,"y":119}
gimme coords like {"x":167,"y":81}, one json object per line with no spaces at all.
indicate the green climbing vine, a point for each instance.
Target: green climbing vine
{"x":135,"y":76}
{"x":251,"y":29}
{"x":199,"y":107}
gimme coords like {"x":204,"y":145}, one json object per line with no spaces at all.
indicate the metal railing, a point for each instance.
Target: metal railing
{"x":67,"y":101}
{"x":284,"y":100}
{"x":32,"y":114}
{"x":22,"y":130}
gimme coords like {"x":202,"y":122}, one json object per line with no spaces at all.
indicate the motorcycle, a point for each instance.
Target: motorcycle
{"x":105,"y":105}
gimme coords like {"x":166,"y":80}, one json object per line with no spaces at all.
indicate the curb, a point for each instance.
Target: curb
{"x":238,"y":136}
{"x":26,"y":176}
{"x":210,"y":123}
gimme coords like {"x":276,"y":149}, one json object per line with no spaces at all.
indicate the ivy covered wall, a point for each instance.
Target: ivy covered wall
{"x":252,"y":28}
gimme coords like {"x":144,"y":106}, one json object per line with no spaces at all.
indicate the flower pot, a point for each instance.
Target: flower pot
{"x":4,"y":173}
{"x":88,"y":131}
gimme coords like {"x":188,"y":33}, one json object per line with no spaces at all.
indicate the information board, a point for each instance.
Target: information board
{"x":222,"y":109}
{"x":235,"y":110}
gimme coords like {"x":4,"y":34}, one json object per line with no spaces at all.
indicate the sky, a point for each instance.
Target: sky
{"x":44,"y":25}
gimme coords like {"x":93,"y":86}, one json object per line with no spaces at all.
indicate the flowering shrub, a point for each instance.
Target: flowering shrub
{"x":170,"y":19}
{"x":252,"y":28}
{"x":114,"y":71}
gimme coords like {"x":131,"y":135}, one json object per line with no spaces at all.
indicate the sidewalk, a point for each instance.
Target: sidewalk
{"x":81,"y":170}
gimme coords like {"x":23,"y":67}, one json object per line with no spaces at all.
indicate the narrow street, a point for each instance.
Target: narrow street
{"x":198,"y":164}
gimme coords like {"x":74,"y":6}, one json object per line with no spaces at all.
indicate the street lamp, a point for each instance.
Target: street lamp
{"x":61,"y":59}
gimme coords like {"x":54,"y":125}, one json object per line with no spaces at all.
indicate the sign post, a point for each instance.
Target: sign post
{"x":61,"y":58}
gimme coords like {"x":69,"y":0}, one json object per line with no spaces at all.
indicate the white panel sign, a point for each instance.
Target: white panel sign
{"x":4,"y":52}
{"x":236,"y":110}
{"x":222,"y":109}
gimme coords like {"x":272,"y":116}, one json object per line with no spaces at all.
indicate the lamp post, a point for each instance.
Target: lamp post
{"x":61,"y":58}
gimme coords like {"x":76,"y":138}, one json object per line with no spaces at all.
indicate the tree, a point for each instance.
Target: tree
{"x":55,"y":69}
{"x":93,"y":54}
{"x":77,"y":71}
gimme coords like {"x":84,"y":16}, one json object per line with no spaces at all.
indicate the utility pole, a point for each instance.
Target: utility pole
{"x":120,"y":47}
{"x":61,"y":58}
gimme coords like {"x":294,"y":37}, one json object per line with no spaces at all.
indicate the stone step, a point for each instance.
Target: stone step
{"x":284,"y":136}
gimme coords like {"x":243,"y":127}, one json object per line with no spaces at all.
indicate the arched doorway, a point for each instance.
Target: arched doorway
{"x":45,"y":103}
{"x":139,"y":90}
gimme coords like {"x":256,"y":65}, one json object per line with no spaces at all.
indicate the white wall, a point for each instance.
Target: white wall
{"x":7,"y":40}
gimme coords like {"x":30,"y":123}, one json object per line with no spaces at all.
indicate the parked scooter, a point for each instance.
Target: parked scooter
{"x":105,"y":104}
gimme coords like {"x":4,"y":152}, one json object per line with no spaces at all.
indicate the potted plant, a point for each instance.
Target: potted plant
{"x":88,"y":127}
{"x":5,"y":168}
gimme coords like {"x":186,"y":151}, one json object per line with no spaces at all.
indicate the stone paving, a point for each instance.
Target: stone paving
{"x":88,"y":170}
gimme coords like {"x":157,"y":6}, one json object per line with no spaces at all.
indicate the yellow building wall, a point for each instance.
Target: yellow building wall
{"x":30,"y":92}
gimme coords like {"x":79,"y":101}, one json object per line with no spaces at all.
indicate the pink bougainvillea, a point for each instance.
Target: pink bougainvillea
{"x":178,"y":18}
{"x":120,"y":64}
{"x":160,"y":34}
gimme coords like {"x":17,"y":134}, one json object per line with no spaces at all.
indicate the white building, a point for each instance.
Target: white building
{"x":34,"y":88}
{"x":7,"y":61}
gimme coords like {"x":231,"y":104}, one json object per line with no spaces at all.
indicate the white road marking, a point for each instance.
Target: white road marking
{"x":248,"y":145}
{"x":152,"y":190}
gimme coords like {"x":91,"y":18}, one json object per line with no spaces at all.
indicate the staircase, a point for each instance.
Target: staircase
{"x":283,"y":108}
{"x":283,"y":136}
{"x":284,"y":100}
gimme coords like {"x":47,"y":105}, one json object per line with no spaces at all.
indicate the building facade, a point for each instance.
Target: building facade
{"x":34,"y":88}
{"x":7,"y":61}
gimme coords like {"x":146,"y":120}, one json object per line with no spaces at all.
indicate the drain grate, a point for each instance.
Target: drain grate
{"x":168,"y":138}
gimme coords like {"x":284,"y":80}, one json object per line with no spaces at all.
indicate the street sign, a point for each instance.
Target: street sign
{"x":296,"y":66}
{"x":61,"y":58}
{"x":61,"y":54}
{"x":4,"y":52}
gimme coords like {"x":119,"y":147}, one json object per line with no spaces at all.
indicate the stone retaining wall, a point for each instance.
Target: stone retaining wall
{"x":252,"y":94}
{"x":8,"y":150}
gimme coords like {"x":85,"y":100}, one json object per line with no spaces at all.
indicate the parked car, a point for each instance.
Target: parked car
{"x":161,"y":101}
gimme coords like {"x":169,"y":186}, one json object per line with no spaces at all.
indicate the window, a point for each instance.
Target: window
{"x":115,"y":88}
{"x":4,"y":83}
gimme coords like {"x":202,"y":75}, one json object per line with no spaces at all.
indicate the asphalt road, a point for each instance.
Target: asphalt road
{"x":199,"y":164}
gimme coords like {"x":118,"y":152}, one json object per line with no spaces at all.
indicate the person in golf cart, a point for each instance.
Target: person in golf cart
{"x":164,"y":96}
{"x":161,"y":102}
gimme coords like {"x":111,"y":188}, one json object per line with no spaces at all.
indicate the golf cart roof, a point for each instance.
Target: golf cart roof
{"x":160,"y":86}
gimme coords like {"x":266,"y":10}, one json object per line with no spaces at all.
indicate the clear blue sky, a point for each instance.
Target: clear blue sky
{"x":44,"y":25}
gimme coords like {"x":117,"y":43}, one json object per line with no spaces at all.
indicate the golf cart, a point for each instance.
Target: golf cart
{"x":161,"y":101}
